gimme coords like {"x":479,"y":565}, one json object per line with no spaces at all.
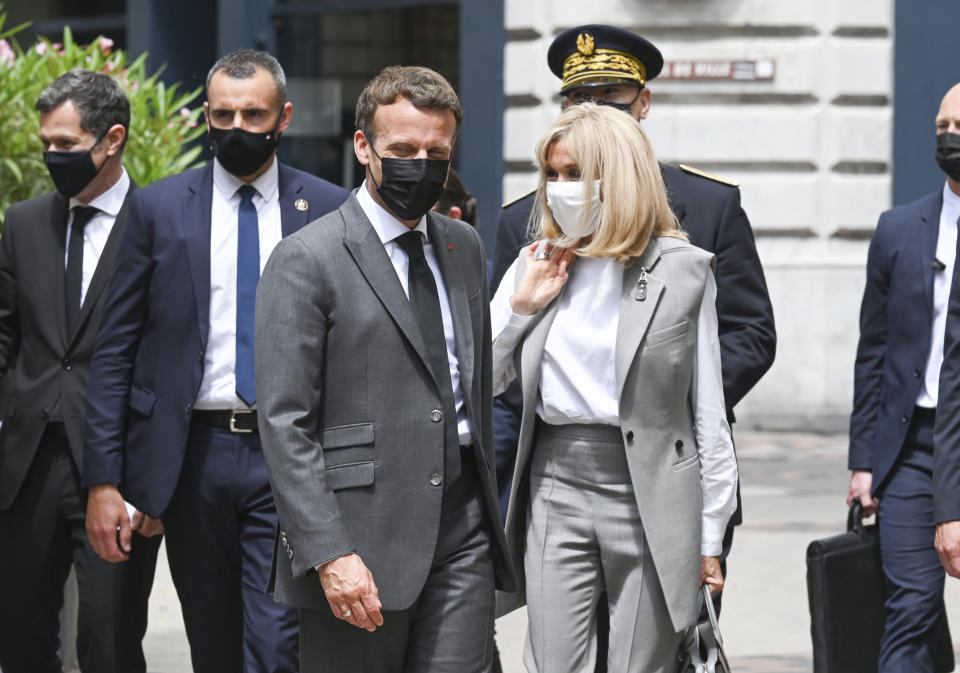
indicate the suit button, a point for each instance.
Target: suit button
{"x":903,"y":419}
{"x":200,"y":356}
{"x":916,"y":373}
{"x":679,"y":446}
{"x":435,"y":480}
{"x":67,"y":364}
{"x":436,"y":415}
{"x":289,"y":553}
{"x":44,"y":415}
{"x":629,"y":435}
{"x":187,"y":409}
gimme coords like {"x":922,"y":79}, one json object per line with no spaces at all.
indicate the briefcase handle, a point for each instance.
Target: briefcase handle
{"x":855,"y":516}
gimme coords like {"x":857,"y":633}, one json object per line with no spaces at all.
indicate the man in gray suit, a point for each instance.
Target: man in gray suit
{"x":373,"y":379}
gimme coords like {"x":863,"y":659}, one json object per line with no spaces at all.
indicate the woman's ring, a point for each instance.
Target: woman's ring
{"x":347,"y":613}
{"x":542,"y":253}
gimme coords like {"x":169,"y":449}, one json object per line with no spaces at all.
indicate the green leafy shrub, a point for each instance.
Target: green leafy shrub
{"x":162,"y":126}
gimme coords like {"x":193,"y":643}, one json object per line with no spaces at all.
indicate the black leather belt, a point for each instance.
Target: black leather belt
{"x":234,"y":420}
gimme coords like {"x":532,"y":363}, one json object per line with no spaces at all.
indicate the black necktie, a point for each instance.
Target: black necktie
{"x":74,"y":283}
{"x":425,"y":299}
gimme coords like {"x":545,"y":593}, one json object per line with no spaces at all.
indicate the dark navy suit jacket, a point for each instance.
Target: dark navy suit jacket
{"x":148,"y":362}
{"x":946,"y":436}
{"x":895,"y":329}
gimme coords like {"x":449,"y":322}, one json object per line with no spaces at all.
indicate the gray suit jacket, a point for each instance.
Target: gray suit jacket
{"x":656,"y":345}
{"x":346,"y":396}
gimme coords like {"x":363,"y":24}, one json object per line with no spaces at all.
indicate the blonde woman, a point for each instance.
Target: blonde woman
{"x":625,"y":473}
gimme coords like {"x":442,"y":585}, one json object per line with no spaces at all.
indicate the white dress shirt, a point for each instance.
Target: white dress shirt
{"x":942,"y":280}
{"x":218,"y":389}
{"x":578,"y":375}
{"x":389,"y":228}
{"x":98,"y":229}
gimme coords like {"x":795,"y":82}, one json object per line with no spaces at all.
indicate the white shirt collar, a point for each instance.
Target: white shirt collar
{"x":951,"y":203}
{"x":387,"y":226}
{"x":111,"y":200}
{"x":227,"y":183}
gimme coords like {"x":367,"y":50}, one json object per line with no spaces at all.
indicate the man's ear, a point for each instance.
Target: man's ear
{"x":286,"y":116}
{"x":644,"y":102}
{"x":113,"y":140}
{"x":206,"y":114}
{"x":361,"y":147}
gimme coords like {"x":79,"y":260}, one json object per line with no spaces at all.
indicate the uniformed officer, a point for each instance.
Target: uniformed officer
{"x":612,"y":66}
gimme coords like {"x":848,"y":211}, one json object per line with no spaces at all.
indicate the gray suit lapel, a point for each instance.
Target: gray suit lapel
{"x":450,"y":259}
{"x":367,"y":251}
{"x":635,"y":315}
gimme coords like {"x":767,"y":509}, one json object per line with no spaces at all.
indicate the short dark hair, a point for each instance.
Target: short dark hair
{"x":243,"y":64}
{"x":455,"y":194}
{"x":421,"y":86}
{"x":101,"y":101}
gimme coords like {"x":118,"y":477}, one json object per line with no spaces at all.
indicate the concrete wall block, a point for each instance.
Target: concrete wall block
{"x":526,"y":70}
{"x":522,"y":128}
{"x":724,"y":133}
{"x":656,"y":13}
{"x":857,"y":135}
{"x":765,"y":196}
{"x":859,"y":13}
{"x":860,"y":66}
{"x":856,"y":201}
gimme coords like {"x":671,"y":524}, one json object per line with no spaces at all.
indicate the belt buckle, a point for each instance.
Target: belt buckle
{"x":233,"y":422}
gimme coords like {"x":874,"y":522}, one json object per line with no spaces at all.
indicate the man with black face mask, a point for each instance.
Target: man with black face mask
{"x":56,"y":254}
{"x":374,"y":378}
{"x":172,"y":422}
{"x":899,"y":389}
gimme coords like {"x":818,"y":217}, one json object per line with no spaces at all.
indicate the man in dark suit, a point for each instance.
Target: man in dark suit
{"x":374,"y":377}
{"x":612,"y":66}
{"x":171,"y":422}
{"x":56,"y":256}
{"x":896,"y":391}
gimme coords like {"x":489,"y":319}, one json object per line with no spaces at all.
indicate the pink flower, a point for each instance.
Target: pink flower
{"x":105,"y":44}
{"x":110,"y":66}
{"x":192,"y":125}
{"x":185,"y":111}
{"x":41,"y":48}
{"x":7,"y":55}
{"x":58,"y":46}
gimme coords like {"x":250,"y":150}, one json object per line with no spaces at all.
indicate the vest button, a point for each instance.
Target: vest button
{"x":629,"y":435}
{"x":435,"y":479}
{"x":436,"y":415}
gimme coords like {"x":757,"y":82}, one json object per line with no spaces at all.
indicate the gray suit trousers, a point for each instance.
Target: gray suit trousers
{"x":449,"y":629}
{"x":584,"y":536}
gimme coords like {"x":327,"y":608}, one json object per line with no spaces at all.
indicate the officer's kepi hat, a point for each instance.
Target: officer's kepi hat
{"x":596,"y":54}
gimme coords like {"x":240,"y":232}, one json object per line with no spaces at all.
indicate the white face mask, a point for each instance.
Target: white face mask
{"x":577,"y":216}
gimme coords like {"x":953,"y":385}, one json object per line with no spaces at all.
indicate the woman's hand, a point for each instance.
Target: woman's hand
{"x":710,"y":573}
{"x":544,"y":275}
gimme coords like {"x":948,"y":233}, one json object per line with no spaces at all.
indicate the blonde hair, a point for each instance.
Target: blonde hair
{"x":608,"y":145}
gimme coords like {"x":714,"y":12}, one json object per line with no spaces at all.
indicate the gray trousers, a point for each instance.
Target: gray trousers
{"x":449,"y":629}
{"x":584,"y":536}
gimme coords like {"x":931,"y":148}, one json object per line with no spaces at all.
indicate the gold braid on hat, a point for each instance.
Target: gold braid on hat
{"x":589,"y":63}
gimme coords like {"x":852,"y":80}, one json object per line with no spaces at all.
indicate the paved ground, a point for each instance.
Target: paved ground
{"x":793,"y":490}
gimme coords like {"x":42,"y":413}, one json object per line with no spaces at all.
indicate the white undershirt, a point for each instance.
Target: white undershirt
{"x":98,"y":229}
{"x":218,"y":389}
{"x":942,"y":280}
{"x":578,"y":377}
{"x":388,"y":228}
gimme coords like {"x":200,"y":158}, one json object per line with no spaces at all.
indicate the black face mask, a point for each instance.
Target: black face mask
{"x":948,"y":154}
{"x":72,"y":171}
{"x":411,"y":187}
{"x":240,"y":152}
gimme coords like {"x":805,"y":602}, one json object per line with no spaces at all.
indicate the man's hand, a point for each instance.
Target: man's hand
{"x":861,"y":481}
{"x":108,"y":523}
{"x":145,"y":525}
{"x":947,"y":542}
{"x":710,"y":573}
{"x":351,"y":591}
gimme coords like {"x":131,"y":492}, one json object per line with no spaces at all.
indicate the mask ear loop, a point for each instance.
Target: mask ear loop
{"x":369,"y":172}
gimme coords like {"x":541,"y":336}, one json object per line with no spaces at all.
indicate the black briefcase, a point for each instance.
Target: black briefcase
{"x":845,"y":587}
